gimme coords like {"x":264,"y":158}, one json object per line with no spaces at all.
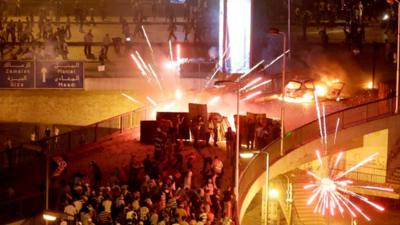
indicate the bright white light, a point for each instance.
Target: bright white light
{"x":170,"y":65}
{"x":385,"y":17}
{"x":246,"y":155}
{"x":49,"y":217}
{"x":178,"y":94}
{"x":327,"y":185}
{"x":321,"y":90}
{"x":237,"y":35}
{"x":369,"y":85}
{"x":274,"y":193}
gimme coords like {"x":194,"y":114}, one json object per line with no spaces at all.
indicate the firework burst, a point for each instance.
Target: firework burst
{"x":331,"y":191}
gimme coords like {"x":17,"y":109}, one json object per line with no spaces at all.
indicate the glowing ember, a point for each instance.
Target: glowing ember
{"x":331,"y":193}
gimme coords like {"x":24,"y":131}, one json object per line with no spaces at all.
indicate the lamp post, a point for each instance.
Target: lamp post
{"x":283,"y":90}
{"x":237,"y":147}
{"x":265,"y":194}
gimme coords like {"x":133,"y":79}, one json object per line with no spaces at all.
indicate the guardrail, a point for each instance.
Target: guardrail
{"x":348,"y":118}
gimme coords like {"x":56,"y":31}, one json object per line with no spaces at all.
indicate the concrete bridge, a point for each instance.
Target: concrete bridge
{"x":363,"y":130}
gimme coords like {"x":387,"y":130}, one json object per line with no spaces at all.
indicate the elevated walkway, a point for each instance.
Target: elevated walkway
{"x":300,"y":144}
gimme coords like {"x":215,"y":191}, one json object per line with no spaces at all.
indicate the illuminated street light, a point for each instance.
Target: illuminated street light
{"x":266,"y":192}
{"x":274,"y":193}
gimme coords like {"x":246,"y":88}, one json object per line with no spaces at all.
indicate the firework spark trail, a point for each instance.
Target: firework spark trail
{"x":151,"y":101}
{"x":336,"y":130}
{"x":362,"y":198}
{"x":212,"y":76}
{"x":250,"y":83}
{"x":139,"y":65}
{"x":331,"y":191}
{"x":325,"y":132}
{"x":147,"y":40}
{"x":319,"y":157}
{"x":130,"y":98}
{"x":318,"y":116}
{"x":142,"y":61}
{"x":368,"y":159}
{"x":354,"y":207}
{"x":259,"y":85}
{"x":251,"y":70}
{"x":338,"y":158}
{"x":155,"y":76}
{"x":378,"y":188}
{"x":276,"y":59}
{"x":314,"y":175}
{"x":308,"y":186}
{"x":252,"y":95}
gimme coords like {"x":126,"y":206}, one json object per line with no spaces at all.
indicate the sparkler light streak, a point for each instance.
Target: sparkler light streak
{"x":319,"y":117}
{"x":330,"y":193}
{"x":139,"y":65}
{"x":155,"y":76}
{"x":259,"y":85}
{"x":336,"y":130}
{"x":147,"y":39}
{"x":214,"y":100}
{"x":142,"y":61}
{"x":130,"y":98}
{"x":251,"y":70}
{"x":250,"y":83}
{"x":252,"y":95}
{"x":151,"y":101}
{"x":325,"y":132}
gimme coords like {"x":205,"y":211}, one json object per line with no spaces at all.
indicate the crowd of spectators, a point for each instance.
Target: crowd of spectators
{"x":154,"y":191}
{"x":45,"y":34}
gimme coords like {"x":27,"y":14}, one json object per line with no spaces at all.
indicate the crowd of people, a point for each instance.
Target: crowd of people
{"x":157,"y":190}
{"x":44,"y":35}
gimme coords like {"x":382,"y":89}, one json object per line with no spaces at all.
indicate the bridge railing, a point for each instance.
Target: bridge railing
{"x":348,"y":117}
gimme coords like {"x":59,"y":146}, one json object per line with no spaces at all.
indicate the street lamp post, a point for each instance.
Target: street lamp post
{"x":265,"y":193}
{"x":283,"y":91}
{"x":237,"y":150}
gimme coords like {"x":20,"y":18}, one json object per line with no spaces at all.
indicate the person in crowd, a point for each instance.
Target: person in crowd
{"x":230,"y":142}
{"x":106,"y":44}
{"x":96,"y":173}
{"x":88,"y":39}
{"x":171,"y":29}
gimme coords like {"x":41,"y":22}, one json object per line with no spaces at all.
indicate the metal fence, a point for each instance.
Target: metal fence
{"x":348,"y":117}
